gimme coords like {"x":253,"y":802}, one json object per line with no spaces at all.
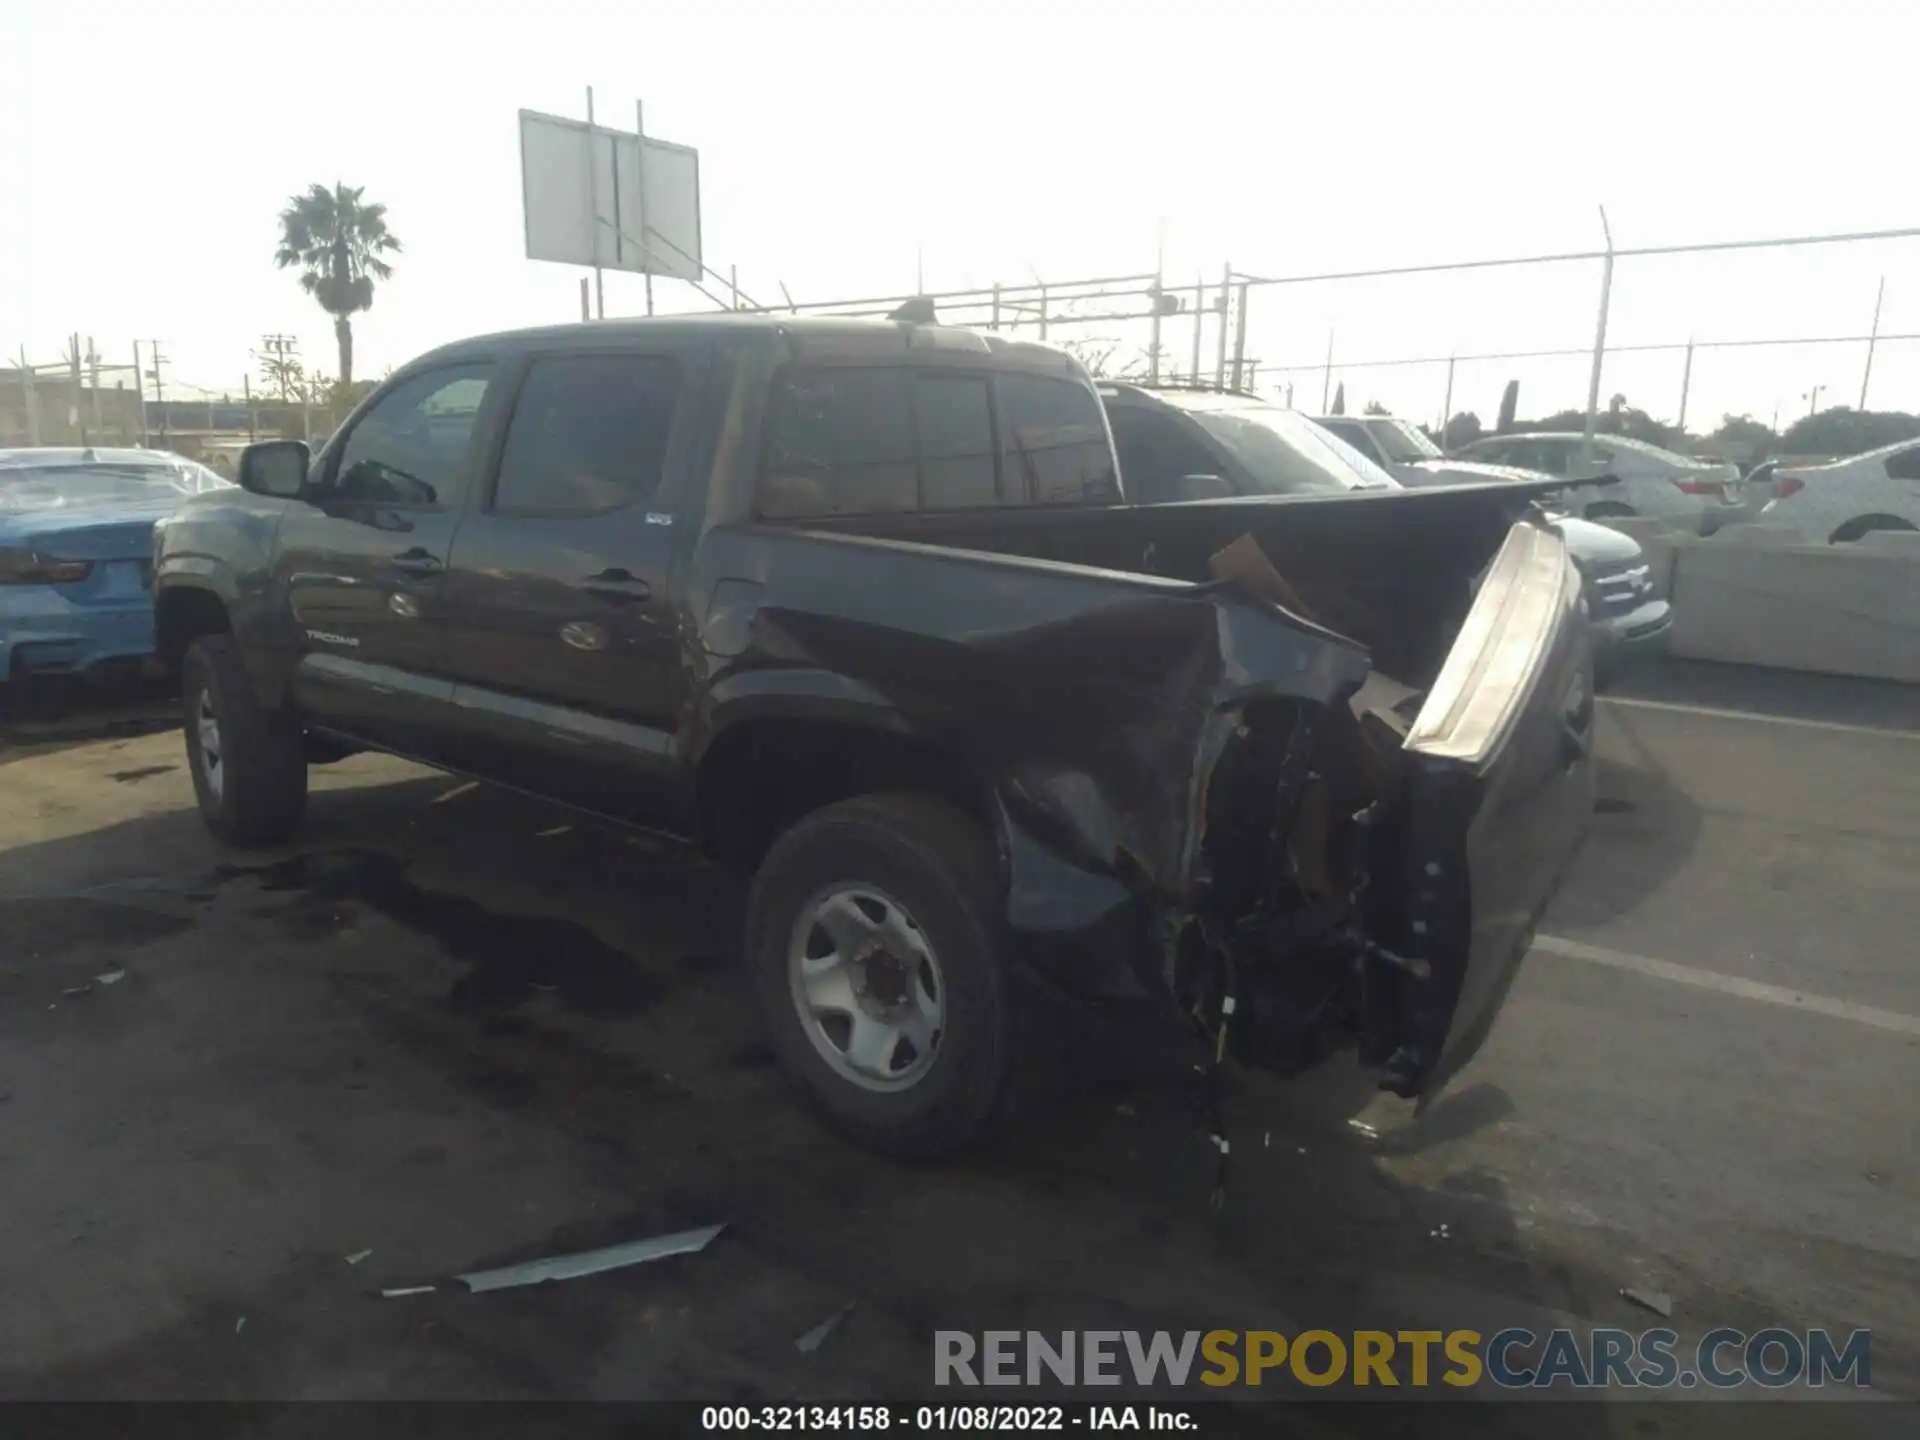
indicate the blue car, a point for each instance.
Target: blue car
{"x":76,"y":545}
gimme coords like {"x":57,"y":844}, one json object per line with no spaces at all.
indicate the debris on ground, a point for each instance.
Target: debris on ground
{"x":1361,"y":1127}
{"x":239,"y":1324}
{"x":1657,"y":1301}
{"x":357,"y":1256}
{"x":817,"y":1336}
{"x":1441,"y":1232}
{"x":549,"y":834}
{"x":455,"y":793}
{"x":590,"y":1262}
{"x":111,"y":977}
{"x":396,"y":1291}
{"x":76,"y":990}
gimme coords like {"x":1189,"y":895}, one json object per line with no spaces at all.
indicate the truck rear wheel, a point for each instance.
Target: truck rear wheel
{"x":877,"y":959}
{"x":249,"y":771}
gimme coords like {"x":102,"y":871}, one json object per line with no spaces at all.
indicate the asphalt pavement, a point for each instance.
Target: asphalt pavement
{"x":456,"y":1028}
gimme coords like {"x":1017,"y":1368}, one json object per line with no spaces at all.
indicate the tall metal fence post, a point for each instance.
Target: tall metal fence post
{"x":1326,"y":376}
{"x":1446,"y":405}
{"x":1686,"y":383}
{"x":1873,"y":338}
{"x":1223,"y":304}
{"x":1240,"y":337}
{"x":93,"y":372}
{"x":1199,"y":325}
{"x":1043,"y":311}
{"x":140,"y":390}
{"x":1599,"y":345}
{"x":1159,"y":281}
{"x":994,"y":323}
{"x":29,"y":399}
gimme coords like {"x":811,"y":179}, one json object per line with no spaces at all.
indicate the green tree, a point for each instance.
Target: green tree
{"x":1462,"y":429}
{"x":1374,"y":407}
{"x":338,"y":242}
{"x":1744,"y":430}
{"x":1845,"y":431}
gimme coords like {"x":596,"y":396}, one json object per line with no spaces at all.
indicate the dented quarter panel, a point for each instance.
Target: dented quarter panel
{"x":1091,"y":703}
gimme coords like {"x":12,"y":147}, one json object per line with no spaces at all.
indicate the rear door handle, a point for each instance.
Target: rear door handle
{"x":620,"y":586}
{"x":416,"y":562}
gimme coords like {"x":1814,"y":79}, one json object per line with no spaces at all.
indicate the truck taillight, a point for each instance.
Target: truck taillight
{"x":1702,"y":487}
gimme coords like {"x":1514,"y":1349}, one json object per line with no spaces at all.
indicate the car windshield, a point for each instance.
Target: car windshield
{"x":1401,"y":442}
{"x":28,"y":483}
{"x":1285,"y":453}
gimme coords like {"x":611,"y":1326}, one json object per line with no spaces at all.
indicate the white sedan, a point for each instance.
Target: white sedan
{"x":1698,"y":496}
{"x":1879,"y":490}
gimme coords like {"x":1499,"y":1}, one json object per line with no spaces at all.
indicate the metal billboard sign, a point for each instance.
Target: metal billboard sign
{"x":610,"y":199}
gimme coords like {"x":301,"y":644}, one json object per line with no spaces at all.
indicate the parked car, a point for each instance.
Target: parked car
{"x":859,"y":609}
{"x":1698,"y":497}
{"x":76,"y":543}
{"x":1848,"y":499}
{"x":1170,"y":438}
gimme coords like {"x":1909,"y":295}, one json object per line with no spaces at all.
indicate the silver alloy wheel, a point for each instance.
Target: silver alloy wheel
{"x":867,"y":987}
{"x":213,"y":768}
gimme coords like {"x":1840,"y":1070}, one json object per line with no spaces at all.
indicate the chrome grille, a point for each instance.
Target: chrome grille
{"x":1625,"y":589}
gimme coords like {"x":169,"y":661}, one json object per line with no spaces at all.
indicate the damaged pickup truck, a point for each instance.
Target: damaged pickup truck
{"x":860,"y":608}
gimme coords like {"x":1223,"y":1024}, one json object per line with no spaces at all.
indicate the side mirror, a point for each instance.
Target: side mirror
{"x":1203,"y":487}
{"x":276,"y":468}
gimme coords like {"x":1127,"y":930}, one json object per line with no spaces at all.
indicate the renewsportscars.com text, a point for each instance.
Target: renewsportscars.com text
{"x":1516,"y":1358}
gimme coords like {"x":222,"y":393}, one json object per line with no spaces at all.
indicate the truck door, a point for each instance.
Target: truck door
{"x":561,"y":637}
{"x":363,"y":560}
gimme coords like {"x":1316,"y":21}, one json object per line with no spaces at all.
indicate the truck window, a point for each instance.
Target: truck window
{"x":1155,"y":454}
{"x":589,"y":434}
{"x":953,"y":419}
{"x":410,"y":449}
{"x":1356,"y":435}
{"x":839,"y":442}
{"x":1056,"y":440}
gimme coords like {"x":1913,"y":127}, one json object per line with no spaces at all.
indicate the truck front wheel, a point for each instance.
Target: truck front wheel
{"x":877,"y":959}
{"x":249,"y":772}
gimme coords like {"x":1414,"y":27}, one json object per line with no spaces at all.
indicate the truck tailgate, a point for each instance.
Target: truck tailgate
{"x":1501,"y":793}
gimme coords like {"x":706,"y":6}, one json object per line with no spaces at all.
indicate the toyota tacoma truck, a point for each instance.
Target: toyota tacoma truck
{"x":861,"y":609}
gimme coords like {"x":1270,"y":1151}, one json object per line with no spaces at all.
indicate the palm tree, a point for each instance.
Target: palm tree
{"x":337,"y":242}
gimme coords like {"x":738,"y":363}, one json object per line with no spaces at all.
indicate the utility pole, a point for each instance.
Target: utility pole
{"x":593,"y":192}
{"x":1599,"y":346}
{"x":73,"y":384}
{"x":1686,"y":382}
{"x":1813,"y":400}
{"x":140,"y":388}
{"x":253,"y":416}
{"x":159,"y":385}
{"x":1872,"y":340}
{"x":33,"y":406}
{"x":93,"y":373}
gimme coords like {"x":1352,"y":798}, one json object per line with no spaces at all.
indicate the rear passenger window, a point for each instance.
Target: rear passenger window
{"x":589,"y":433}
{"x":1057,"y":440}
{"x":840,"y":442}
{"x":953,"y":415}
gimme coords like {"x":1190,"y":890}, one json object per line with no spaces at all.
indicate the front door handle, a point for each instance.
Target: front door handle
{"x":416,"y":561}
{"x":620,"y":586}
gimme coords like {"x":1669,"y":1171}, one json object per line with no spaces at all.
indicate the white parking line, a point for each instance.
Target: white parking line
{"x":1731,"y":985}
{"x":1720,"y":714}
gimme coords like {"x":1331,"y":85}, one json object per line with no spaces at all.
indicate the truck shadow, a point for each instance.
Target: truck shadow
{"x":596,"y":993}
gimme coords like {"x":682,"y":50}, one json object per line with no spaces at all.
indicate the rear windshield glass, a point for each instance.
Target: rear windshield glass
{"x":65,"y":484}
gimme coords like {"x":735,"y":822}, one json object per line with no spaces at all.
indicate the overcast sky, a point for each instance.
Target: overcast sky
{"x":149,"y":149}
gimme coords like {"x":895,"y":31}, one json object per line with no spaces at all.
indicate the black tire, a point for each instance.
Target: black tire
{"x":1865,"y":525}
{"x":938,"y":866}
{"x":260,"y":795}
